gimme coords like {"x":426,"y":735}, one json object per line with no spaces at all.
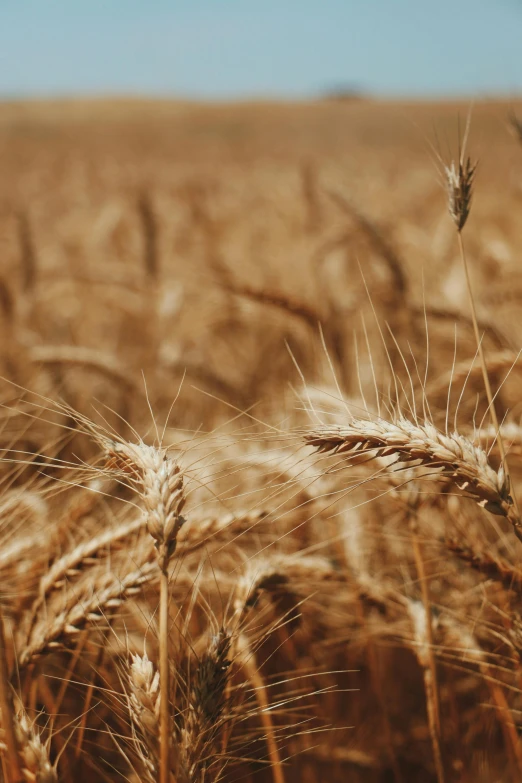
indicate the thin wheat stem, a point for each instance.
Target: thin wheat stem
{"x":505,"y":717}
{"x":429,"y":662}
{"x":87,"y":704}
{"x":159,"y":481}
{"x":487,"y":385}
{"x":164,"y":678}
{"x":468,"y":645}
{"x":435,"y":739}
{"x":425,"y":593}
{"x":420,"y":620}
{"x":6,"y":707}
{"x":249,"y":664}
{"x":378,"y":689}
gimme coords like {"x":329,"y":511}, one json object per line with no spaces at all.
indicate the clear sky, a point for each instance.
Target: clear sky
{"x":237,"y":48}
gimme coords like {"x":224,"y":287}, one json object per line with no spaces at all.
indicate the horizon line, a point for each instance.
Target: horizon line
{"x":333,"y":94}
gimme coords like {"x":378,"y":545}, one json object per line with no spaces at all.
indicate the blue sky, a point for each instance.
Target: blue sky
{"x":237,"y":48}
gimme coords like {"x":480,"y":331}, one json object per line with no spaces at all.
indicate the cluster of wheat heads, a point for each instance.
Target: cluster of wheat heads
{"x":276,"y":594}
{"x":193,"y":690}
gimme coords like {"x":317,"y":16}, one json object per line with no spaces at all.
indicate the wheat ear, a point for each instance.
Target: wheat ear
{"x":84,"y":555}
{"x":159,"y":482}
{"x":453,"y":454}
{"x":492,"y":566}
{"x":204,"y":716}
{"x":144,"y":708}
{"x":34,"y":754}
{"x":85,"y":609}
{"x":28,"y":259}
{"x":150,"y":236}
{"x":279,"y":301}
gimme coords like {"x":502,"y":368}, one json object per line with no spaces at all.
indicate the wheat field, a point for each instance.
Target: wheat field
{"x":259,"y":511}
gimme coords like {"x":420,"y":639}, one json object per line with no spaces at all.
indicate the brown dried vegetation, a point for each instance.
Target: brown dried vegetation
{"x":258,"y":521}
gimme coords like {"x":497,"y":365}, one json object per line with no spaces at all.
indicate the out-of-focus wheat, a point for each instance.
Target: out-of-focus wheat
{"x":171,"y":276}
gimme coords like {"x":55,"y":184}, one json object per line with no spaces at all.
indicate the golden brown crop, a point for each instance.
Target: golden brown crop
{"x":253,"y":377}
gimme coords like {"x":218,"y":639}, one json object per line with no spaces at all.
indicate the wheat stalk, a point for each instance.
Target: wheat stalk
{"x":422,"y":648}
{"x":425,"y":593}
{"x":160,"y":485}
{"x":460,"y":187}
{"x":248,"y":661}
{"x":6,"y":710}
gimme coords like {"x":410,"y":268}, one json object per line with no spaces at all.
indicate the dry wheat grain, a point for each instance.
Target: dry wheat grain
{"x":453,"y":454}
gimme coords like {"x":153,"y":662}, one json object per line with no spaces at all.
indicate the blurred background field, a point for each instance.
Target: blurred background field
{"x":245,"y":225}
